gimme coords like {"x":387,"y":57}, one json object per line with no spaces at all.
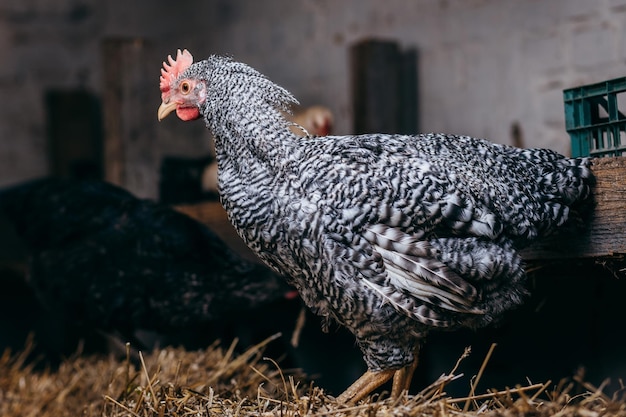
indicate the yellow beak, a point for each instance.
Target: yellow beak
{"x":165,"y":109}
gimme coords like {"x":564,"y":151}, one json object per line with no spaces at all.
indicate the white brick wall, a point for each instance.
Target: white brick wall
{"x":484,"y":64}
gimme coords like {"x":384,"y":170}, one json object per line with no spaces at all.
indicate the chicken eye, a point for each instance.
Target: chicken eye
{"x":185,"y":87}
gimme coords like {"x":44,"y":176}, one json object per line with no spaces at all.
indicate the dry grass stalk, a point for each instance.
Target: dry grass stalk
{"x":480,"y":374}
{"x":216,"y":382}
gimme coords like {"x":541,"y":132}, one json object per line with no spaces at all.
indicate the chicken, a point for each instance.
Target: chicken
{"x":102,"y":258}
{"x":309,"y":121}
{"x":391,"y":236}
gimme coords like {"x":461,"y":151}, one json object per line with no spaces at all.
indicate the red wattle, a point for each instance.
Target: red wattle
{"x":187,"y":113}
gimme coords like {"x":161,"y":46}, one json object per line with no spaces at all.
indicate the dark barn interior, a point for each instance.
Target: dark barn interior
{"x":80,"y":82}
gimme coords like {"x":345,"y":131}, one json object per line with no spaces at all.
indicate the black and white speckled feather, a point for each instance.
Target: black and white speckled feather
{"x":389,"y":235}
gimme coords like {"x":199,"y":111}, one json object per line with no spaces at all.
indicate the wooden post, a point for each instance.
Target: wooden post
{"x":127,"y":107}
{"x":408,"y":122}
{"x":384,"y":88}
{"x":74,"y":124}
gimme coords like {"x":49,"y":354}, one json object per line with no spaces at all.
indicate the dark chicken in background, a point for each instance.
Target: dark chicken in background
{"x":100,"y":258}
{"x":391,"y":236}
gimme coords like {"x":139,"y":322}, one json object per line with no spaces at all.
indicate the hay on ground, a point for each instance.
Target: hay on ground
{"x":216,"y":382}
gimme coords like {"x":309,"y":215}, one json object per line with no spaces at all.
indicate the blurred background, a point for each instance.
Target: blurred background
{"x":79,"y":87}
{"x":482,"y":66}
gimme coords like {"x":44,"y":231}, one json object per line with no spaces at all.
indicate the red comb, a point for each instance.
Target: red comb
{"x":171,"y":71}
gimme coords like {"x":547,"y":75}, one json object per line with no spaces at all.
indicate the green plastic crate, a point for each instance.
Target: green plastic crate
{"x":595,"y":118}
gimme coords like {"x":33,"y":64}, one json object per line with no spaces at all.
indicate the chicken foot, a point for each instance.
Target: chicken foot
{"x":363,"y":386}
{"x":370,"y":380}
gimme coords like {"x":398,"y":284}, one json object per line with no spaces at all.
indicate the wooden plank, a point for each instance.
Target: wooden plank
{"x":374,"y":66}
{"x":384,"y":87}
{"x":74,"y":133}
{"x":408,"y":112}
{"x":603,"y":235}
{"x":128,"y":120}
{"x":114,"y":159}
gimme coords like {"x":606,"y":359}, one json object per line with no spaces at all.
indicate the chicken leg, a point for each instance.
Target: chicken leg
{"x":363,"y":386}
{"x":369,"y":381}
{"x":403,"y":377}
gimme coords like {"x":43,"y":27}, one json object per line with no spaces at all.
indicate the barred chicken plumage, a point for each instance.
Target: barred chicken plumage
{"x":390,"y":236}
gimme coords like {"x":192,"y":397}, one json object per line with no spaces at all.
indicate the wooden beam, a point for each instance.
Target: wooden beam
{"x":602,"y":235}
{"x":128,"y":125}
{"x":384,"y":87}
{"x":112,"y":97}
